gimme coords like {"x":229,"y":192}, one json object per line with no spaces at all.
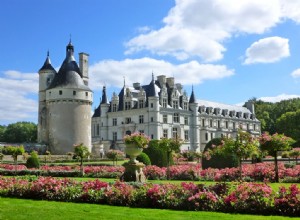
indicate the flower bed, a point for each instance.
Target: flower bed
{"x":259,"y":172}
{"x":250,"y":198}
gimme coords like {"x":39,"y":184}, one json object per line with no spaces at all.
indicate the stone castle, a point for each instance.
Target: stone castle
{"x":159,"y":109}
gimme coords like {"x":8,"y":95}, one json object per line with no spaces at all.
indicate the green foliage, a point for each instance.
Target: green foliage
{"x":218,"y":160}
{"x":289,"y":124}
{"x":144,"y":158}
{"x":268,"y":113}
{"x":33,"y":161}
{"x":2,"y":131}
{"x":20,"y":132}
{"x":14,"y":151}
{"x":156,"y":154}
{"x":274,"y":143}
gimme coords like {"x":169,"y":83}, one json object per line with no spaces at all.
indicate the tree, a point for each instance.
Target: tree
{"x":242,"y":147}
{"x":14,"y":152}
{"x":271,"y":144}
{"x":289,"y":124}
{"x":295,"y":153}
{"x":20,"y":132}
{"x":82,"y":152}
{"x":114,"y":155}
{"x":170,"y":145}
{"x":2,"y":131}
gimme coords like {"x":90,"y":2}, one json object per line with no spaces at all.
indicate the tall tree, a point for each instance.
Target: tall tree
{"x":2,"y":131}
{"x":289,"y":124}
{"x":21,"y":132}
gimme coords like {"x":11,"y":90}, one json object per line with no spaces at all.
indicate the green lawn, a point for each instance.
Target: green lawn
{"x":37,"y":210}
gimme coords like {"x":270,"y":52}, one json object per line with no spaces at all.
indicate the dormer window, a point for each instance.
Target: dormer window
{"x":164,"y":103}
{"x":60,"y":92}
{"x":114,"y":107}
{"x":141,"y":103}
{"x":127,"y":105}
{"x":185,"y":106}
{"x":175,"y":104}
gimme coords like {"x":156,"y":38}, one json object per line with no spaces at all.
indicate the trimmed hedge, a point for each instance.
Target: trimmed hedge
{"x":144,"y":158}
{"x":157,"y":155}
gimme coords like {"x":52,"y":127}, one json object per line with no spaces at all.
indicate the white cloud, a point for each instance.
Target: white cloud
{"x":15,"y":91}
{"x":198,"y":28}
{"x":296,"y":73}
{"x":267,"y":50}
{"x":111,"y":72}
{"x":278,"y":98}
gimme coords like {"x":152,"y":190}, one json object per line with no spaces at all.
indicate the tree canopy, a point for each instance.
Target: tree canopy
{"x":19,"y":132}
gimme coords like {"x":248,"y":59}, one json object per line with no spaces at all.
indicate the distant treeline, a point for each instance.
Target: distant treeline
{"x":20,"y":132}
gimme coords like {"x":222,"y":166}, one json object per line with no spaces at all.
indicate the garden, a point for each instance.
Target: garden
{"x":262,"y":188}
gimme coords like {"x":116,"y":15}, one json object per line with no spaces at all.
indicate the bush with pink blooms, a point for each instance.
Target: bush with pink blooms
{"x":252,"y":198}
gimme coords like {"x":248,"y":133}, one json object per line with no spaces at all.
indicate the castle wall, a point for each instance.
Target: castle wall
{"x":69,"y":124}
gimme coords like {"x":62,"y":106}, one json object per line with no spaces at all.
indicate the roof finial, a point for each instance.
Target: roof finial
{"x":70,"y":42}
{"x":124,"y":80}
{"x":48,"y":53}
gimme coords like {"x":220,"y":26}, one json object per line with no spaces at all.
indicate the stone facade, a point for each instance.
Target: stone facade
{"x":163,"y":109}
{"x":65,"y":104}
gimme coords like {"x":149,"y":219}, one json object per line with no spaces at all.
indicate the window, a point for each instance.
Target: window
{"x":114,"y":107}
{"x":226,"y":124}
{"x":186,"y":120}
{"x":247,"y":126}
{"x":127,"y":105}
{"x":60,"y":92}
{"x":141,"y":119}
{"x":176,"y":117}
{"x":206,"y":136}
{"x":165,"y":119}
{"x":141,"y":103}
{"x":164,"y":103}
{"x":175,"y":133}
{"x":185,"y":106}
{"x":98,"y":130}
{"x":233,"y":125}
{"x":141,"y":131}
{"x":86,"y":93}
{"x":219,"y":124}
{"x":114,"y":122}
{"x":211,"y":123}
{"x":151,"y":105}
{"x":175,"y":104}
{"x":152,"y":136}
{"x":254,"y":127}
{"x":152,"y":119}
{"x":115,"y":136}
{"x":165,"y":133}
{"x":203,"y":122}
{"x":127,"y":120}
{"x":186,"y":135}
{"x":74,"y":92}
{"x":211,"y":136}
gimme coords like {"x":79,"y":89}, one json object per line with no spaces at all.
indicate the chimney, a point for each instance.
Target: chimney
{"x":84,"y":67}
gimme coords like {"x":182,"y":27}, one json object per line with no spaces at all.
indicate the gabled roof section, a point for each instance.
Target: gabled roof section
{"x":97,"y":112}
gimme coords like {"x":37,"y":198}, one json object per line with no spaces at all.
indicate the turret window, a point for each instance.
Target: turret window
{"x":164,"y":103}
{"x":114,"y":107}
{"x":175,"y":104}
{"x":60,"y":92}
{"x":74,"y":92}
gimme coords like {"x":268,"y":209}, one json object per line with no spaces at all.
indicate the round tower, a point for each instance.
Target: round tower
{"x":69,"y":103}
{"x":46,"y":75}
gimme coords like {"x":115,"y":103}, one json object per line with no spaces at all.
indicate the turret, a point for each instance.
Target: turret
{"x":84,"y":67}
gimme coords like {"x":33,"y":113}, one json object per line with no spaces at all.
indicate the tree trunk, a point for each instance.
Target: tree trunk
{"x":240,"y":168}
{"x":81,"y":167}
{"x":168,"y":165}
{"x":276,"y":168}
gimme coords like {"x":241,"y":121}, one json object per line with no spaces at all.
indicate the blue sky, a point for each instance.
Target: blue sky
{"x":229,"y":51}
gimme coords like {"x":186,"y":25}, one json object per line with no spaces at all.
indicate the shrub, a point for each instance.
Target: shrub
{"x":33,"y":161}
{"x":144,"y":158}
{"x":157,"y":155}
{"x":216,"y":160}
{"x":287,"y":202}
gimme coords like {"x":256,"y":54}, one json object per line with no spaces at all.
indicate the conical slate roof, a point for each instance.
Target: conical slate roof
{"x":69,"y":74}
{"x":47,"y":64}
